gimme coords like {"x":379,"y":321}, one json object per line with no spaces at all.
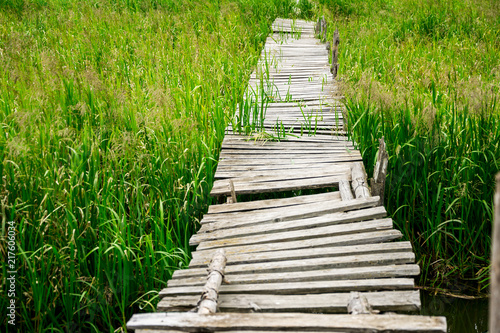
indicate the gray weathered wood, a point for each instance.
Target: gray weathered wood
{"x":201,"y":260}
{"x":358,"y":304}
{"x":335,"y":54}
{"x":348,"y":273}
{"x":359,"y":182}
{"x":495,"y":265}
{"x":286,"y":236}
{"x":192,"y":322}
{"x":324,"y":303}
{"x":209,"y":293}
{"x":352,"y":239}
{"x":211,"y":232}
{"x":345,"y":190}
{"x":381,"y":259}
{"x":278,"y":214}
{"x":299,"y":288}
{"x":380,"y":171}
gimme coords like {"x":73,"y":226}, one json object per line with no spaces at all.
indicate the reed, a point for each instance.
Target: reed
{"x":425,"y":75}
{"x":112,"y":115}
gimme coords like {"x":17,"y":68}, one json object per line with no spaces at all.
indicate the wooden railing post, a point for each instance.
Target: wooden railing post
{"x":380,"y":171}
{"x":495,"y":265}
{"x":335,"y":53}
{"x":210,"y":294}
{"x":232,"y":198}
{"x":359,"y":182}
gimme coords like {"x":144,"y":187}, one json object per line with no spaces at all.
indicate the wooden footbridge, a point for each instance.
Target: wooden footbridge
{"x":318,"y":263}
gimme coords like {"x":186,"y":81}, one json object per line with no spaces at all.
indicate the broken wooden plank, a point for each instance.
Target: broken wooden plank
{"x":272,"y":203}
{"x":359,"y":182}
{"x":299,"y":231}
{"x":211,"y":232}
{"x":200,"y":259}
{"x":278,"y":214}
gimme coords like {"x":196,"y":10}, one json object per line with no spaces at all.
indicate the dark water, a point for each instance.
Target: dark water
{"x":463,"y":316}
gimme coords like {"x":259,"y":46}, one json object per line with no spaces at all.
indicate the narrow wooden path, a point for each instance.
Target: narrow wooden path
{"x":301,"y":263}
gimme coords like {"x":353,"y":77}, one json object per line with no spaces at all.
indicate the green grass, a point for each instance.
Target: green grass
{"x":424,"y":75}
{"x":112,"y":114}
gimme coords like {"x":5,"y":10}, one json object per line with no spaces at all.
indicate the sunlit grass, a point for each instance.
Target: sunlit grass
{"x":425,"y":75}
{"x":112,"y":114}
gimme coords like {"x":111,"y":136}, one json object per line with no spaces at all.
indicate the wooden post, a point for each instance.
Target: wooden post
{"x":323,"y":29}
{"x":345,"y":190}
{"x":209,"y":296}
{"x":359,"y":183}
{"x":380,"y":171}
{"x":232,"y":198}
{"x":495,"y":265}
{"x":335,"y":54}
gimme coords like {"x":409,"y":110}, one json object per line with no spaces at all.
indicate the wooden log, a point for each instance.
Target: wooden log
{"x":495,"y":265}
{"x":313,"y":264}
{"x":286,"y":322}
{"x":359,"y":183}
{"x":209,"y":296}
{"x":335,"y":53}
{"x":345,"y":190}
{"x":380,"y":171}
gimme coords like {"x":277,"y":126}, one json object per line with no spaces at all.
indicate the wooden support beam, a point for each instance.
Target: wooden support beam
{"x":345,"y":190}
{"x":209,"y":296}
{"x":335,"y":54}
{"x":495,"y":265}
{"x":359,"y":183}
{"x":380,"y":172}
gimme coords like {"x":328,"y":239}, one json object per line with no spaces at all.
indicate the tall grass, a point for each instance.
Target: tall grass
{"x":112,"y":114}
{"x":425,"y":75}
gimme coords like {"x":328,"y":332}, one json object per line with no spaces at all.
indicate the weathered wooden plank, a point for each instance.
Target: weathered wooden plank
{"x":270,"y":185}
{"x":299,"y":288}
{"x":325,"y":303}
{"x":353,"y":239}
{"x":281,"y":167}
{"x":295,"y":212}
{"x":341,"y":223}
{"x":313,"y":264}
{"x":272,"y":203}
{"x":345,"y":190}
{"x":201,"y":260}
{"x":349,"y":273}
{"x":266,"y":322}
{"x":286,"y":174}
